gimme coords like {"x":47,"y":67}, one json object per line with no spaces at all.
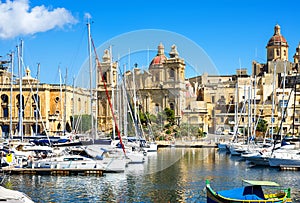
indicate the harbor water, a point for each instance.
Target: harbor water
{"x":170,"y":175}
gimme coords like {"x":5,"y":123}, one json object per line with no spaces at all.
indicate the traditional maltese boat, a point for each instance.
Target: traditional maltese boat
{"x":252,"y":192}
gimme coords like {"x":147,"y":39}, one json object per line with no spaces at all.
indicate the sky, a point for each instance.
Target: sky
{"x":232,"y":33}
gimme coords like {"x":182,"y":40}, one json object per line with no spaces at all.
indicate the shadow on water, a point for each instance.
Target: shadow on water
{"x":171,"y":175}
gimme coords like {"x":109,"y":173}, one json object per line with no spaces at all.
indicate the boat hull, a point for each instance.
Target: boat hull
{"x":215,"y":197}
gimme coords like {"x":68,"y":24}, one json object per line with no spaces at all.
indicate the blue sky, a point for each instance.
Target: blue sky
{"x":232,"y":33}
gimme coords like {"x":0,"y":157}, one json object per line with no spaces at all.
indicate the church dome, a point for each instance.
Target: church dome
{"x":277,"y":39}
{"x":160,"y":57}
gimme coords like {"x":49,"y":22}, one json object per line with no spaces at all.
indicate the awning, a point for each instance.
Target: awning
{"x":261,"y":182}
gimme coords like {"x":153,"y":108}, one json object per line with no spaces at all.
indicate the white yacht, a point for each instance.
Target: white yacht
{"x":13,"y":196}
{"x":285,"y":158}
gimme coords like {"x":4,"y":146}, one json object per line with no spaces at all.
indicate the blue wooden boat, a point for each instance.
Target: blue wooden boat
{"x":251,"y":193}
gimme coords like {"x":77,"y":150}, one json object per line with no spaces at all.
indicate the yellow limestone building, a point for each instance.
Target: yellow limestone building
{"x":46,"y":108}
{"x":162,"y":85}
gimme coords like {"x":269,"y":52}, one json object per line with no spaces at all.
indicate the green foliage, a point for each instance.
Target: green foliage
{"x":170,"y":116}
{"x":143,"y":118}
{"x":168,"y":125}
{"x":168,"y":132}
{"x":262,"y":125}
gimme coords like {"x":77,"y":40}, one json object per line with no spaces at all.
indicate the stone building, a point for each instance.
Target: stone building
{"x":278,"y":76}
{"x":46,"y":108}
{"x":162,"y":85}
{"x":239,"y":100}
{"x":213,"y":103}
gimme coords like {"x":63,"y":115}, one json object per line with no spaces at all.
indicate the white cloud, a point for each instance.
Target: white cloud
{"x":17,"y":18}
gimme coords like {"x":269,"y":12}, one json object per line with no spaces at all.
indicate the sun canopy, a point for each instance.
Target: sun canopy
{"x":261,"y":182}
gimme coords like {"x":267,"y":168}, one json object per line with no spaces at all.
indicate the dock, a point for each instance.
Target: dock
{"x":52,"y":171}
{"x":187,"y":144}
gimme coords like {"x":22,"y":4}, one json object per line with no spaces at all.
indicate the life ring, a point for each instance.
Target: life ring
{"x":264,"y":151}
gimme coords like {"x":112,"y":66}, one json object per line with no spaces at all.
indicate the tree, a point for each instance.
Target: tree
{"x":262,"y":126}
{"x":170,"y":116}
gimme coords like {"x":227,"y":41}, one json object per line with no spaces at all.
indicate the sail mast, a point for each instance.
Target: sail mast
{"x":11,"y":95}
{"x":20,"y":55}
{"x":112,"y":90}
{"x":37,"y":100}
{"x":90,"y":68}
{"x":65,"y":103}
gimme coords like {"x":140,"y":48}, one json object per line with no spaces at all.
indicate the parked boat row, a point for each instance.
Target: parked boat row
{"x":108,"y":156}
{"x":274,"y":155}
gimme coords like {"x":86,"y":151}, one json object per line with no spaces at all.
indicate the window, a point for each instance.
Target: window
{"x":172,"y":106}
{"x":79,"y":105}
{"x":36,"y":113}
{"x":156,"y":108}
{"x":57,"y":99}
{"x":5,"y":112}
{"x":278,"y":52}
{"x":104,"y":77}
{"x":172,"y":73}
{"x":212,"y":99}
{"x":4,"y":99}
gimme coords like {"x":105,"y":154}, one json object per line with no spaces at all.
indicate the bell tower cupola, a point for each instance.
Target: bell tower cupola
{"x":277,"y":47}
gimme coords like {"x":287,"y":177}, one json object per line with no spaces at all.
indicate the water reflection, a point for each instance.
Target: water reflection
{"x":171,"y":175}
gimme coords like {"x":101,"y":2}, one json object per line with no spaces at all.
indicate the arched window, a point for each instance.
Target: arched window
{"x":4,"y":104}
{"x":278,"y":52}
{"x":79,"y":105}
{"x":4,"y":99}
{"x":36,"y":105}
{"x":18,"y":103}
{"x":172,"y":106}
{"x":104,"y":77}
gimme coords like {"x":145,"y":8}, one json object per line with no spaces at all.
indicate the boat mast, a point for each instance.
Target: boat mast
{"x":20,"y":55}
{"x":73,"y":105}
{"x":61,"y":104}
{"x":65,"y":103}
{"x":11,"y":94}
{"x":91,"y":71}
{"x":125,"y":103}
{"x":254,"y":112}
{"x":273,"y":100}
{"x":37,"y":100}
{"x":283,"y":101}
{"x":112,"y":91}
